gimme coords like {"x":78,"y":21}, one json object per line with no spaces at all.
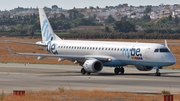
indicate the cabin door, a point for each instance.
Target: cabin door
{"x":147,"y":53}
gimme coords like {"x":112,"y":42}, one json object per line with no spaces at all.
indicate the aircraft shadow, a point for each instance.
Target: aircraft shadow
{"x":77,"y":73}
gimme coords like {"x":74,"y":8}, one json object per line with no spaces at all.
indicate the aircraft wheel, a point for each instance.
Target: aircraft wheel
{"x":121,"y":70}
{"x":83,"y":71}
{"x":116,"y":70}
{"x":158,"y":74}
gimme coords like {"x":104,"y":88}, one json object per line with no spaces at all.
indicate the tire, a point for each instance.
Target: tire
{"x":83,"y":71}
{"x":116,"y":71}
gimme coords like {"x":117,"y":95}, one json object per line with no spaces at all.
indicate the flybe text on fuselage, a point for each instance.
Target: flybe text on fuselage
{"x":133,"y":53}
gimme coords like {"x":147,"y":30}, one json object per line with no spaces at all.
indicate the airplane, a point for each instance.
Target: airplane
{"x":94,"y":55}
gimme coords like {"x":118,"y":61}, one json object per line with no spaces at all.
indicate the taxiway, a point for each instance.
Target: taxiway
{"x":50,"y":77}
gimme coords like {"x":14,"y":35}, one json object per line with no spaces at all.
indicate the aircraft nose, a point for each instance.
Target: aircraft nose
{"x":171,"y":59}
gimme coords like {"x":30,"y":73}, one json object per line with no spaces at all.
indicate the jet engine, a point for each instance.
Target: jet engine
{"x":144,"y":68}
{"x":48,"y":48}
{"x":93,"y":65}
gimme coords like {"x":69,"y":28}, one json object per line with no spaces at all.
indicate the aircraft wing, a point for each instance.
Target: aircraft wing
{"x":71,"y":57}
{"x":29,"y":43}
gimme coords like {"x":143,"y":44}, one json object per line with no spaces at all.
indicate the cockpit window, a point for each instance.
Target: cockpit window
{"x":164,"y":50}
{"x":156,"y":50}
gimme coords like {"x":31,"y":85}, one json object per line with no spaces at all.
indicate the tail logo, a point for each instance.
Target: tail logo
{"x":46,"y":31}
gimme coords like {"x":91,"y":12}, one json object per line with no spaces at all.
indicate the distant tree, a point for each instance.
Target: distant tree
{"x":148,"y":9}
{"x":109,"y":19}
{"x":146,"y":18}
{"x":97,"y":7}
{"x":80,"y":15}
{"x":54,"y":7}
{"x":124,"y":26}
{"x":170,"y":18}
{"x":62,"y":17}
{"x":124,"y":18}
{"x":47,"y":9}
{"x":91,"y":8}
{"x":73,"y":14}
{"x":107,"y":29}
{"x":120,"y":6}
{"x":176,"y":20}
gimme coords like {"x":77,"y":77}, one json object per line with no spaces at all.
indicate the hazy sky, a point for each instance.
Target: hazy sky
{"x":69,"y":4}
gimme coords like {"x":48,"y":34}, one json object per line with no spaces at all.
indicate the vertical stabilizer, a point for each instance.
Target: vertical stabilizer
{"x":46,"y":29}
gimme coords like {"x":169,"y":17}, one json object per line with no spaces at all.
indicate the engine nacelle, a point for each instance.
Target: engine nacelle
{"x":48,"y":48}
{"x":93,"y":65}
{"x":144,"y":68}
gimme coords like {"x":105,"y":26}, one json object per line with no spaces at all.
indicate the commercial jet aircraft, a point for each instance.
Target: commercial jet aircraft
{"x":94,"y":55}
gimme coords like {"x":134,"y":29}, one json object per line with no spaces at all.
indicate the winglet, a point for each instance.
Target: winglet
{"x":10,"y":51}
{"x":166,"y":44}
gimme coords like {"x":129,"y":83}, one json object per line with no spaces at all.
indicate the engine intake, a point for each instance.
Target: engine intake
{"x":93,"y":65}
{"x":144,"y":68}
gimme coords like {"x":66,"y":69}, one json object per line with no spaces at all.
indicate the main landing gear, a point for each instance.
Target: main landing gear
{"x":119,"y":70}
{"x":83,"y":72}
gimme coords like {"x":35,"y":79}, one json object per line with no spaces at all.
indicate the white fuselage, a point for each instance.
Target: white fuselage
{"x":121,"y":53}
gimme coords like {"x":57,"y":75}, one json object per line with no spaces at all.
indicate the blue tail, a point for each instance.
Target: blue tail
{"x":46,"y":29}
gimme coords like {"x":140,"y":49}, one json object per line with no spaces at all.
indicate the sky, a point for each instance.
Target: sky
{"x":69,"y":4}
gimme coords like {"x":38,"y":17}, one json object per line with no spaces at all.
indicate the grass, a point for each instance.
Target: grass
{"x":165,"y":92}
{"x":2,"y":95}
{"x":83,"y":95}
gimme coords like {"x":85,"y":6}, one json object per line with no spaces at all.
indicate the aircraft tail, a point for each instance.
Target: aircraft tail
{"x":46,"y":29}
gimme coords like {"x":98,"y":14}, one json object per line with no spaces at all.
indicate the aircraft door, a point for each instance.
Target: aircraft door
{"x":147,"y":53}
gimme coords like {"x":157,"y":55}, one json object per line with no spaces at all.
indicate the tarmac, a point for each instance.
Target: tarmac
{"x":14,"y":76}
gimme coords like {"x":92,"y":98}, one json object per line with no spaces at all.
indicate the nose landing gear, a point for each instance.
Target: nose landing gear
{"x":157,"y":72}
